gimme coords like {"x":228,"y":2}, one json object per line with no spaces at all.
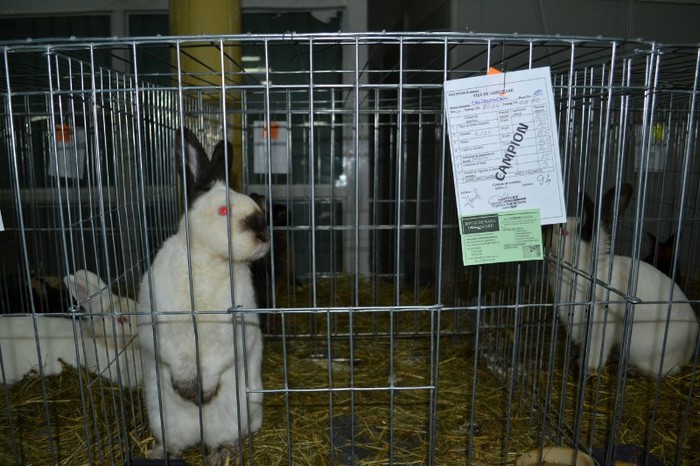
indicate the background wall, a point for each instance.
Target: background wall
{"x":660,"y":20}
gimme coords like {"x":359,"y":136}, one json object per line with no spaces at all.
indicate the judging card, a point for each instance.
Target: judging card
{"x":505,"y":155}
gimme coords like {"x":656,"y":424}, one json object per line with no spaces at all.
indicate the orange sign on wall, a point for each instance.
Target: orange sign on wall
{"x":274,"y":130}
{"x":63,"y":133}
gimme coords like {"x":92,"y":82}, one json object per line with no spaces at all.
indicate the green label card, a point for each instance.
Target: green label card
{"x":501,"y":237}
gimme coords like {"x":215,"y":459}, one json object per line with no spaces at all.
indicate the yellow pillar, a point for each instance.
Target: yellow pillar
{"x":201,"y":62}
{"x":194,"y":17}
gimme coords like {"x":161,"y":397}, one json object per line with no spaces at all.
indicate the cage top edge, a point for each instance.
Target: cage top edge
{"x":348,"y":37}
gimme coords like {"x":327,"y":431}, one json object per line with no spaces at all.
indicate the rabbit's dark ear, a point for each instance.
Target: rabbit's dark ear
{"x":669,"y":241}
{"x":648,"y":247}
{"x":197,"y":167}
{"x":666,"y":248}
{"x":608,"y":204}
{"x":587,"y":219}
{"x":222,"y":160}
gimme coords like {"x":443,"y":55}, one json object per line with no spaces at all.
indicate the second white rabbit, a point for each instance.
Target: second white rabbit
{"x":96,"y":343}
{"x":652,"y":350}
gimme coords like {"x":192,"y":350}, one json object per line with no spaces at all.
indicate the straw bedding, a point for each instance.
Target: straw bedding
{"x":383,"y":422}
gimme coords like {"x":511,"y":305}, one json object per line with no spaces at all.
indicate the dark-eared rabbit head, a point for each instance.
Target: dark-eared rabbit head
{"x":44,"y":294}
{"x":211,"y":203}
{"x":579,"y":232}
{"x":50,"y":295}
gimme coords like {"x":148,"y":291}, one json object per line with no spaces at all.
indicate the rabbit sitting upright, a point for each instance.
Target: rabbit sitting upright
{"x":201,"y":350}
{"x":652,"y":350}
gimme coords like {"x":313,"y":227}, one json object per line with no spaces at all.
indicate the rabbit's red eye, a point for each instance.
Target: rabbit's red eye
{"x":223,"y":211}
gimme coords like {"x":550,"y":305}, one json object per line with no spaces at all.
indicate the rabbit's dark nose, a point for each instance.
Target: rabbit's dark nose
{"x":257,"y":223}
{"x":263,"y":236}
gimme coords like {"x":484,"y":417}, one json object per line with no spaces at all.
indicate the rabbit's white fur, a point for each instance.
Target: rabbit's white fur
{"x":228,"y":411}
{"x":608,"y":308}
{"x":93,"y":343}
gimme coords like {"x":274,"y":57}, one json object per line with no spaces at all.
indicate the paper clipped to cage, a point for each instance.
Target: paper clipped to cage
{"x":506,"y":165}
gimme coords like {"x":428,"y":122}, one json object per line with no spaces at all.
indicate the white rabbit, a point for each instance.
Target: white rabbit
{"x":216,"y":375}
{"x":18,"y":343}
{"x":607,"y":310}
{"x":90,"y":343}
{"x":110,"y":333}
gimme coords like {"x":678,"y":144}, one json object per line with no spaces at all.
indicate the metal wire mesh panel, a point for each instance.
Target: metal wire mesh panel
{"x":380,"y":347}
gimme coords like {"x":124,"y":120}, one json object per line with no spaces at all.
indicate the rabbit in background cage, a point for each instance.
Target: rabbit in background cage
{"x":181,"y":377}
{"x":278,"y":267}
{"x":574,"y":241}
{"x":99,"y":340}
{"x":660,"y":254}
{"x":262,"y":268}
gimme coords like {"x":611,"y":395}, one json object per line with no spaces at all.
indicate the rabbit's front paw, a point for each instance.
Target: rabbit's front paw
{"x":157,"y":453}
{"x":219,"y":455}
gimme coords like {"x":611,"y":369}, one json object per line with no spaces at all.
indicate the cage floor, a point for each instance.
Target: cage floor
{"x":387,"y":423}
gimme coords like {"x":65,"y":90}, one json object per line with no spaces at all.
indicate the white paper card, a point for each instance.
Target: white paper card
{"x":69,"y":159}
{"x":2,"y":225}
{"x":658,"y":147}
{"x":504,"y":144}
{"x":278,"y":147}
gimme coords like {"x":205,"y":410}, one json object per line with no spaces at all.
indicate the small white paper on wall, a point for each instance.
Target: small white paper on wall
{"x":68,"y":161}
{"x":658,"y":147}
{"x":279,"y":149}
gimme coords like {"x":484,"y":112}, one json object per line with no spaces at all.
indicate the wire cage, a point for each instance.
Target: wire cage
{"x":380,"y":347}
